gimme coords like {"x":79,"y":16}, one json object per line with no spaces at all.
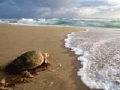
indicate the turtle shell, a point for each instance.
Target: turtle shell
{"x":28,"y":60}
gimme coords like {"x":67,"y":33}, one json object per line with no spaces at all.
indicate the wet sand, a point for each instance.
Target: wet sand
{"x":15,"y":40}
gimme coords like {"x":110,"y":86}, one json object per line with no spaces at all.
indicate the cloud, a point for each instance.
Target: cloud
{"x":56,"y":8}
{"x":114,"y":2}
{"x":85,"y":11}
{"x":90,"y":3}
{"x":30,"y":8}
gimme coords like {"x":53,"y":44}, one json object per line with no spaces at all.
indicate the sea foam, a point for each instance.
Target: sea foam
{"x":99,"y":53}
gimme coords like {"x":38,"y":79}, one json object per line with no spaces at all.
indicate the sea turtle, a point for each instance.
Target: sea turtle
{"x":27,"y":62}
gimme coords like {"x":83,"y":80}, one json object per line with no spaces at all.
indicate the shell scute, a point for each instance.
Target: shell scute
{"x":28,"y":60}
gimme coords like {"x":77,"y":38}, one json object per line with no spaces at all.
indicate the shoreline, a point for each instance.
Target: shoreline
{"x":16,"y":40}
{"x":35,"y":25}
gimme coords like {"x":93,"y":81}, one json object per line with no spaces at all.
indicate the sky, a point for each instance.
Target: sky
{"x":59,"y":8}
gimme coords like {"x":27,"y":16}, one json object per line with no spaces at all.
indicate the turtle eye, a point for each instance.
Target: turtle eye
{"x":46,"y":54}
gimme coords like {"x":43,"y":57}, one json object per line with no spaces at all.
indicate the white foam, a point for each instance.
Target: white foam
{"x":99,"y":53}
{"x":26,"y":21}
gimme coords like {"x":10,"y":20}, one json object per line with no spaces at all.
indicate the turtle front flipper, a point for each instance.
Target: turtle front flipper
{"x":27,"y":74}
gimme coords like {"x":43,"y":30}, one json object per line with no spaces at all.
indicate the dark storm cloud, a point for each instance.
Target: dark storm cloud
{"x":27,"y":8}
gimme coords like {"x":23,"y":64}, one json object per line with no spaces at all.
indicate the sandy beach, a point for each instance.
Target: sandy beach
{"x":15,"y":40}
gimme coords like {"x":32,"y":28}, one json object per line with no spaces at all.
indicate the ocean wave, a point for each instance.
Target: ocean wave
{"x":99,"y":53}
{"x":105,"y":23}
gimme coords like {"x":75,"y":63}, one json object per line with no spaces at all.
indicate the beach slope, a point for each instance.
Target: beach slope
{"x":15,"y":40}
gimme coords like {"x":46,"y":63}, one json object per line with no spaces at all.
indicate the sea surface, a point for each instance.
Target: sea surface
{"x":97,"y":48}
{"x":84,"y":22}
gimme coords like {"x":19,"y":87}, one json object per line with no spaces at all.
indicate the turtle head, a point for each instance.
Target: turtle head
{"x":46,"y":56}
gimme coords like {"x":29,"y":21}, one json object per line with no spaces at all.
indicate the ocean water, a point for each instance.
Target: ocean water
{"x":105,"y":23}
{"x":97,"y":48}
{"x":99,"y":53}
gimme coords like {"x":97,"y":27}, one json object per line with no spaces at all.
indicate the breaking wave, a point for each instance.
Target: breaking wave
{"x":106,"y":23}
{"x":99,"y":53}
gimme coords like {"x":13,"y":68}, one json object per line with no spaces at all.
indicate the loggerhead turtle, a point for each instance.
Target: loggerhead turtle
{"x":28,"y":61}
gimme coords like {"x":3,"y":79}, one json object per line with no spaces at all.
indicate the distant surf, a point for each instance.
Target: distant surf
{"x":99,"y":53}
{"x":89,"y":22}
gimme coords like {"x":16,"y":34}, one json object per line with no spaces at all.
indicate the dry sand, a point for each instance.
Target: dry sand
{"x":15,"y":40}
